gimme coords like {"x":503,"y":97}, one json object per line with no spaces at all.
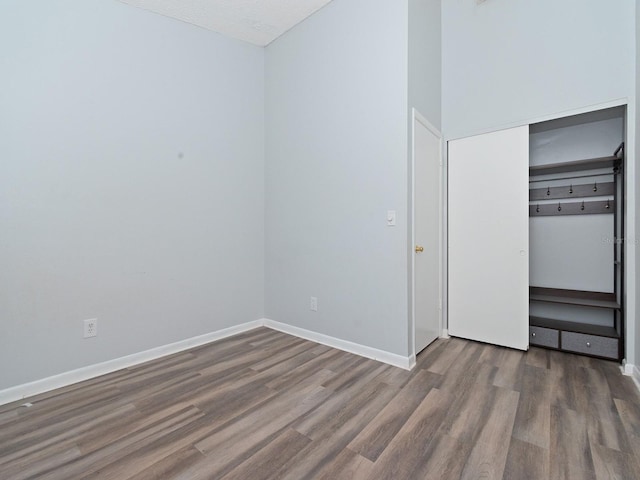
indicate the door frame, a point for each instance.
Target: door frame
{"x":417,"y":117}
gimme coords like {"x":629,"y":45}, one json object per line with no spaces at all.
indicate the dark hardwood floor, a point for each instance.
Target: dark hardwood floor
{"x":265,"y":405}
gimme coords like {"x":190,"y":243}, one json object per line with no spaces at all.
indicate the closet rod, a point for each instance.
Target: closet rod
{"x":572,"y":177}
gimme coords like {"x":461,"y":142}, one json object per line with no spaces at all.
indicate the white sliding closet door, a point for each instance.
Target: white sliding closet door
{"x":489,"y":237}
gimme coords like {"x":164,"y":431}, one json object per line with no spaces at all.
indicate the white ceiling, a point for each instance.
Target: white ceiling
{"x":254,"y":21}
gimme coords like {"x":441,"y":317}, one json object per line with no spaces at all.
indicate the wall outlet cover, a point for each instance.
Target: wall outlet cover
{"x":90,"y":327}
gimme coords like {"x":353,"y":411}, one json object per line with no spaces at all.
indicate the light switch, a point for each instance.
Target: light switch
{"x":391,"y":218}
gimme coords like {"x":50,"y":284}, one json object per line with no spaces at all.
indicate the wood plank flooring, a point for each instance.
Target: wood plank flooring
{"x":265,"y":405}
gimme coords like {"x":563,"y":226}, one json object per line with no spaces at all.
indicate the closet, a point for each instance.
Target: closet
{"x":576,"y":213}
{"x":535,"y":222}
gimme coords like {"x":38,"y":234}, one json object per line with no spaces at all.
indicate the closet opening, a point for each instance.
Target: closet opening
{"x":576,"y":232}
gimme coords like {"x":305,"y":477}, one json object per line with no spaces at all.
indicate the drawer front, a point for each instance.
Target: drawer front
{"x":544,"y":337}
{"x":590,"y":344}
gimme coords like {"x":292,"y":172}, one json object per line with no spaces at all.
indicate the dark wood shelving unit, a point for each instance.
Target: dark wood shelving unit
{"x":574,"y":297}
{"x":576,"y":166}
{"x":603,"y":341}
{"x":576,"y":327}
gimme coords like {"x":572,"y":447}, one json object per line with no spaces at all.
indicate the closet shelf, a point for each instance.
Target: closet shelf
{"x":576,"y":166}
{"x":566,"y":326}
{"x":574,"y":297}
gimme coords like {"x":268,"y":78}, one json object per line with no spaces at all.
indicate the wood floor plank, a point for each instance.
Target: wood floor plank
{"x":325,"y":361}
{"x":570,"y":447}
{"x":444,"y":457}
{"x":29,"y":449}
{"x":34,"y":467}
{"x":153,"y":450}
{"x":267,"y":405}
{"x":124,"y":426}
{"x":293,"y":350}
{"x":538,"y":357}
{"x":363,"y":373}
{"x":622,"y":386}
{"x":489,"y":454}
{"x":468,"y":412}
{"x":448,"y":356}
{"x":8,"y":416}
{"x":533,"y":418}
{"x":170,"y":466}
{"x":339,"y":427}
{"x":397,"y":377}
{"x":526,"y":461}
{"x":429,"y":355}
{"x":567,"y":389}
{"x":491,"y":354}
{"x":511,"y":369}
{"x":605,"y":426}
{"x":613,"y":464}
{"x":342,"y":408}
{"x":265,"y":463}
{"x":629,"y":412}
{"x":347,"y":465}
{"x":91,"y":464}
{"x":406,"y":453}
{"x":43,"y":431}
{"x":372,"y":441}
{"x":236,"y":440}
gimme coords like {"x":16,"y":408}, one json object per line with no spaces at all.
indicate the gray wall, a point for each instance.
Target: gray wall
{"x":510,"y":61}
{"x":425,"y":58}
{"x":131,"y":183}
{"x":336,"y":161}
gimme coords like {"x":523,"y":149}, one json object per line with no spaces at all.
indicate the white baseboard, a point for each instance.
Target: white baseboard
{"x":85,"y":373}
{"x":369,"y":352}
{"x":445,"y":333}
{"x":412,"y":362}
{"x":633,"y":371}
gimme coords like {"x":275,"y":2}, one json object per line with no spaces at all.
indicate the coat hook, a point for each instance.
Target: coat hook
{"x":538,"y":208}
{"x":582,"y":206}
{"x":607,"y":205}
{"x":559,"y":207}
{"x":570,"y":188}
{"x":595,"y":187}
{"x":548,"y":191}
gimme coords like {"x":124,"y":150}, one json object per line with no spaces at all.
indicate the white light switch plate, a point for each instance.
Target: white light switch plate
{"x":391,"y":218}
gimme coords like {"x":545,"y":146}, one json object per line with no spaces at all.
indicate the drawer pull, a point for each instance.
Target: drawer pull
{"x":589,"y":344}
{"x":533,"y":334}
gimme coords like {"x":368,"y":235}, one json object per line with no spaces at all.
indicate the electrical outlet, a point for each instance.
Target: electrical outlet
{"x":313,"y":304}
{"x":90,"y":327}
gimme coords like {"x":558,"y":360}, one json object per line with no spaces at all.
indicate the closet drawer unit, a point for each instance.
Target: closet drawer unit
{"x":544,"y":337}
{"x":590,"y":344}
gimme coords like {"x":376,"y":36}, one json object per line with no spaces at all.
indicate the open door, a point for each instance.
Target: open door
{"x":427,"y":204}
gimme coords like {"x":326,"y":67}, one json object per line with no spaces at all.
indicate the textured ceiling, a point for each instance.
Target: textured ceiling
{"x":255,"y":21}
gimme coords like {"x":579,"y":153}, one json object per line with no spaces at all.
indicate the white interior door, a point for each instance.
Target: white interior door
{"x":427,"y":148}
{"x":488,"y":236}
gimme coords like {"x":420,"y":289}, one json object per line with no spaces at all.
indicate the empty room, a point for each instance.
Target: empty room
{"x":320,"y":239}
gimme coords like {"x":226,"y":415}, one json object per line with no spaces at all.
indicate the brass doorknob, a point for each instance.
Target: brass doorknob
{"x":419,"y":248}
